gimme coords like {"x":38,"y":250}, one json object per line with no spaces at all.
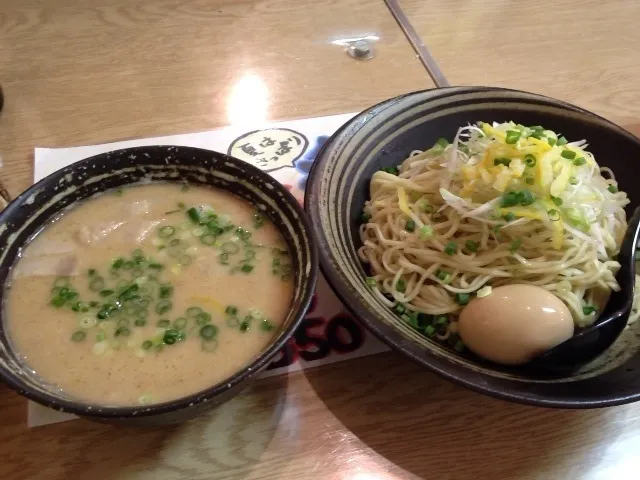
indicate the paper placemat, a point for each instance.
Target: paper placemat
{"x":286,"y":150}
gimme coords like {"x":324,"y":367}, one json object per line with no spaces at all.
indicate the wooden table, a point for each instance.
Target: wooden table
{"x":103,"y":70}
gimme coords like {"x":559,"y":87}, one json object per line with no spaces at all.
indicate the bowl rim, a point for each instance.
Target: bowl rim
{"x":310,"y":277}
{"x":387,"y":333}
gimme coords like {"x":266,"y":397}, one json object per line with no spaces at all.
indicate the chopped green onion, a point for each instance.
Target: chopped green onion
{"x":515,"y":245}
{"x":122,"y":332}
{"x":430,"y":330}
{"x":163,"y":306}
{"x":551,"y":141}
{"x":118,"y":263}
{"x":231,"y":310}
{"x":266,"y":325}
{"x":471,"y":246}
{"x":249,"y":254}
{"x":129,"y":293}
{"x":246,"y":268}
{"x":425,"y":232}
{"x":391,"y":170}
{"x":156,"y":266}
{"x":502,"y":161}
{"x":573,"y":181}
{"x":194,"y":215}
{"x":399,"y":309}
{"x":80,"y":307}
{"x":424,"y":206}
{"x":106,"y":293}
{"x":203,"y":318}
{"x":509,"y":217}
{"x":223,"y":258}
{"x":147,"y":344}
{"x":561,"y":141}
{"x":612,"y":188}
{"x":459,"y":346}
{"x":443,"y":142}
{"x":258,"y":220}
{"x":208,"y":239}
{"x":556,"y":200}
{"x":401,"y":286}
{"x":554,"y":215}
{"x":139,"y":322}
{"x":163,"y":323}
{"x":442,"y":320}
{"x":443,"y":276}
{"x":578,"y":162}
{"x":243,"y":234}
{"x":569,"y":154}
{"x":209,"y":345}
{"x":229,"y":247}
{"x":510,"y":199}
{"x":78,"y":336}
{"x":170,"y":336}
{"x":512,"y":136}
{"x":58,"y":301}
{"x":365,"y":217}
{"x":410,"y":225}
{"x":451,"y":248}
{"x":208,"y":332}
{"x":91,"y":272}
{"x":529,"y":180}
{"x":165,"y":291}
{"x":180,"y":323}
{"x":371,"y":282}
{"x":526,"y":198}
{"x":462,"y":298}
{"x":530,"y":160}
{"x":589,"y":309}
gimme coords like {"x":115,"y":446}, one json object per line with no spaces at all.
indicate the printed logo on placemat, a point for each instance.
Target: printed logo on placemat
{"x":269,"y":149}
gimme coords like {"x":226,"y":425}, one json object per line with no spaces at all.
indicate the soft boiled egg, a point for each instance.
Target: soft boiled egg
{"x":514,"y":323}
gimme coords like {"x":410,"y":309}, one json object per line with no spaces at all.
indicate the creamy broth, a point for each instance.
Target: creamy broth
{"x":144,"y":256}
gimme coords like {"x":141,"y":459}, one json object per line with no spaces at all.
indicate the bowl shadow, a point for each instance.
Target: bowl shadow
{"x":229,"y":438}
{"x":432,"y":428}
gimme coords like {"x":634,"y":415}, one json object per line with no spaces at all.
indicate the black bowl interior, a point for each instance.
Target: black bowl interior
{"x":384,"y":135}
{"x":41,"y":203}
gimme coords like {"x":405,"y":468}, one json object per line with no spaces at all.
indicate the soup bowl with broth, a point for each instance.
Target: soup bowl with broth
{"x":148,"y":284}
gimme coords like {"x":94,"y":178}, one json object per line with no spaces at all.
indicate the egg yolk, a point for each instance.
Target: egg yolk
{"x":514,"y":324}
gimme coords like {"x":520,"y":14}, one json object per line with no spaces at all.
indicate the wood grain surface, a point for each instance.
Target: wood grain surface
{"x":584,"y":52}
{"x":105,"y":70}
{"x":77,"y":73}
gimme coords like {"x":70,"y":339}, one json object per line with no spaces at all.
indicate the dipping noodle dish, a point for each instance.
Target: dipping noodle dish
{"x":149,"y":293}
{"x":502,"y":240}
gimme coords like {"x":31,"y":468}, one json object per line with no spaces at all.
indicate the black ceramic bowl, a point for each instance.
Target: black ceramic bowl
{"x":34,"y":208}
{"x":383,"y":136}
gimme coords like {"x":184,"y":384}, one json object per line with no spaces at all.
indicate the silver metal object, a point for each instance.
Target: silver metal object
{"x":360,"y":50}
{"x":418,"y":45}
